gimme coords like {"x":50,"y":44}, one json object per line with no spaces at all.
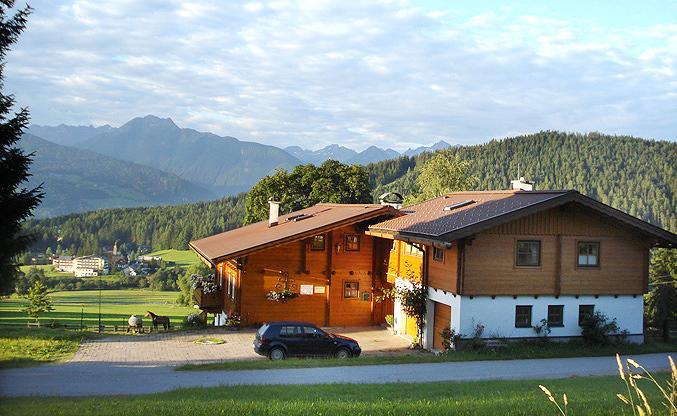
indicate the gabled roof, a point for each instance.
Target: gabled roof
{"x":469,"y":212}
{"x":294,"y":226}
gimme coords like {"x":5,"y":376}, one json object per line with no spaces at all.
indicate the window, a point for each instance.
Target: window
{"x":438,"y":254}
{"x":290,"y":331}
{"x":555,"y":315}
{"x":351,"y":290}
{"x":528,"y":253}
{"x":312,"y":332}
{"x":352,"y":242}
{"x":523,"y":316}
{"x":412,"y":250}
{"x":588,"y":254}
{"x":584,"y":312}
{"x":317,"y":243}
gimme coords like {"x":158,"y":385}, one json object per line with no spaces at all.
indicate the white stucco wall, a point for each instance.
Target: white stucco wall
{"x":498,"y":315}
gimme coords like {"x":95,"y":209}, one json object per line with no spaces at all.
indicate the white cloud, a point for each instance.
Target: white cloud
{"x":384,"y":73}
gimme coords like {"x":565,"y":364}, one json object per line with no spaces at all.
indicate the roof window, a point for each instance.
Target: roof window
{"x":458,"y":205}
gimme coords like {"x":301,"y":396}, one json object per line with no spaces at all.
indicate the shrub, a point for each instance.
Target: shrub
{"x":194,"y":320}
{"x":597,"y":329}
{"x":390,"y":321}
{"x":477,"y":342}
{"x":450,"y":339}
{"x":542,"y":329}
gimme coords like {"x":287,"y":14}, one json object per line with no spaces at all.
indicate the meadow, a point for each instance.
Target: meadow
{"x":70,"y":307}
{"x":47,"y":268}
{"x":587,"y":396}
{"x":181,"y":258}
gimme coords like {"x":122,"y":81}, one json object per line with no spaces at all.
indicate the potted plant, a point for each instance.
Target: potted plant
{"x":281,"y":296}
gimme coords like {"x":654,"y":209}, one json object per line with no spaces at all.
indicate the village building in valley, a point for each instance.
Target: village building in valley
{"x":495,"y":264}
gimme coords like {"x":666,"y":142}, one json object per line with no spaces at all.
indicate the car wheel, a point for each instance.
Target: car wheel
{"x":277,"y":354}
{"x":343,"y":353}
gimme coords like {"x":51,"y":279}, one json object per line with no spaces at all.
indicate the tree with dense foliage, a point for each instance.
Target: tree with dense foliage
{"x":38,"y":301}
{"x":16,"y":202}
{"x":661,"y":301}
{"x":442,"y":174}
{"x":307,"y":185}
{"x":184,"y":284}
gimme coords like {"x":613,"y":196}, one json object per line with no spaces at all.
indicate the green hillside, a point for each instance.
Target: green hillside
{"x":76,"y":180}
{"x":631,"y":174}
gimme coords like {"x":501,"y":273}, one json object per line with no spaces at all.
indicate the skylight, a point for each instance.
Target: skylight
{"x":458,"y":205}
{"x":299,"y":217}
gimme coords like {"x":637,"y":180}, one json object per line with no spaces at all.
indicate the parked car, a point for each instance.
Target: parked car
{"x":279,"y":340}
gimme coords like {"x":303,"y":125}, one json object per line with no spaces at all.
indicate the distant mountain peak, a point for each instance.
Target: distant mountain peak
{"x":151,"y":121}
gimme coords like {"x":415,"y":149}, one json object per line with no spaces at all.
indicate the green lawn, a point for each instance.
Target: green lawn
{"x":587,"y":396}
{"x":518,"y":350}
{"x":48,"y":268}
{"x":116,"y":307}
{"x":20,"y":346}
{"x":182,"y":258}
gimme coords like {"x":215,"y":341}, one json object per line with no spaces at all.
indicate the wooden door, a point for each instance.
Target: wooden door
{"x":442,"y":320}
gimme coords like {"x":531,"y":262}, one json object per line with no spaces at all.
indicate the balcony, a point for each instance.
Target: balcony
{"x":208,"y":301}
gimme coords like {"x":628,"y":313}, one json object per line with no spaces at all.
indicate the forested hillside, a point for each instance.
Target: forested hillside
{"x":634,"y":175}
{"x":76,"y":180}
{"x":159,"y":227}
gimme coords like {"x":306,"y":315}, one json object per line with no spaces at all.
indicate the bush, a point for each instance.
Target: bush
{"x":598,"y":330}
{"x":194,"y":320}
{"x":450,"y":339}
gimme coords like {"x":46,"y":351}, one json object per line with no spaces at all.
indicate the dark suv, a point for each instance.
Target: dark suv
{"x":279,"y":340}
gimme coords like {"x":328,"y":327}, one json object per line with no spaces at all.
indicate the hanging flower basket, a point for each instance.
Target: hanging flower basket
{"x":204,"y":283}
{"x":281,"y":296}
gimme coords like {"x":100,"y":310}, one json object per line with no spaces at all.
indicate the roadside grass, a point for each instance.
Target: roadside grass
{"x":182,"y":258}
{"x":587,"y":396}
{"x":514,"y":351}
{"x":22,"y":347}
{"x":116,"y":307}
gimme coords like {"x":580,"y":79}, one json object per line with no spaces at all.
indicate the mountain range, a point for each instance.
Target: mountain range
{"x":372,"y":154}
{"x":150,"y":160}
{"x":76,"y":180}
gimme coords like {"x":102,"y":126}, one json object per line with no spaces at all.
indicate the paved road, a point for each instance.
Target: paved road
{"x":101,"y":379}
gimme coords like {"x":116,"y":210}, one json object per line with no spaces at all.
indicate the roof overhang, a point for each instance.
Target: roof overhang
{"x":212,"y":261}
{"x":660,"y":237}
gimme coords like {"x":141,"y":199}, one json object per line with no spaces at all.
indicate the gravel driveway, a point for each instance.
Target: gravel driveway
{"x":177,"y":348}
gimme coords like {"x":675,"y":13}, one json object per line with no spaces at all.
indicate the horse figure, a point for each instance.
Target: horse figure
{"x":158,"y":320}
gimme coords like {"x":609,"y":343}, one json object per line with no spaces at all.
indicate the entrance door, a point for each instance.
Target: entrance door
{"x":442,"y":320}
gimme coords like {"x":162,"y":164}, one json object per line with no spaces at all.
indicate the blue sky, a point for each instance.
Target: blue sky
{"x":390,"y":73}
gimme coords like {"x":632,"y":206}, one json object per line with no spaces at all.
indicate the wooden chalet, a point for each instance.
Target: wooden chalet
{"x":506,"y":260}
{"x":321,"y":254}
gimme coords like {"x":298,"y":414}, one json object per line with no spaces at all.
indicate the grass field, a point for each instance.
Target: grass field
{"x":587,"y":396}
{"x":182,"y":258}
{"x":116,"y":307}
{"x":21,"y":346}
{"x":48,"y":268}
{"x":518,"y":350}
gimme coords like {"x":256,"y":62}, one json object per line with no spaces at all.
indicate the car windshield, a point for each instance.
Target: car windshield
{"x":262,"y":330}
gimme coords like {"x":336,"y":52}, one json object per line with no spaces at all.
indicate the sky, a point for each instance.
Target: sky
{"x":388,"y":73}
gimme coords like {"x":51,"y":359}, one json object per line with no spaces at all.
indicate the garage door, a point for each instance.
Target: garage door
{"x":442,"y":320}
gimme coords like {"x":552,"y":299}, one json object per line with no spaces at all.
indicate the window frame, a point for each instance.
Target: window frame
{"x":348,"y":245}
{"x":437,"y":250}
{"x":313,"y":241}
{"x":517,"y":253}
{"x":580,"y":312}
{"x":561,"y":313}
{"x":356,"y":289}
{"x":587,"y":266}
{"x":517,"y":315}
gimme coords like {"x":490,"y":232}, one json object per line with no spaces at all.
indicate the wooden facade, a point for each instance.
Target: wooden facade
{"x":490,"y":268}
{"x":484,"y":264}
{"x":326,"y":272}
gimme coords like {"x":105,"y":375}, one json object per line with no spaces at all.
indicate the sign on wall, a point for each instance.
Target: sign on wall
{"x":319,"y":289}
{"x":306,"y":289}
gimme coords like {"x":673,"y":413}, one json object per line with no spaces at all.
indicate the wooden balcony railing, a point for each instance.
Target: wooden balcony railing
{"x":208,"y":301}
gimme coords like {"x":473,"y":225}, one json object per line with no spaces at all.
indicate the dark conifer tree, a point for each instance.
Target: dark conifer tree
{"x":16,"y":202}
